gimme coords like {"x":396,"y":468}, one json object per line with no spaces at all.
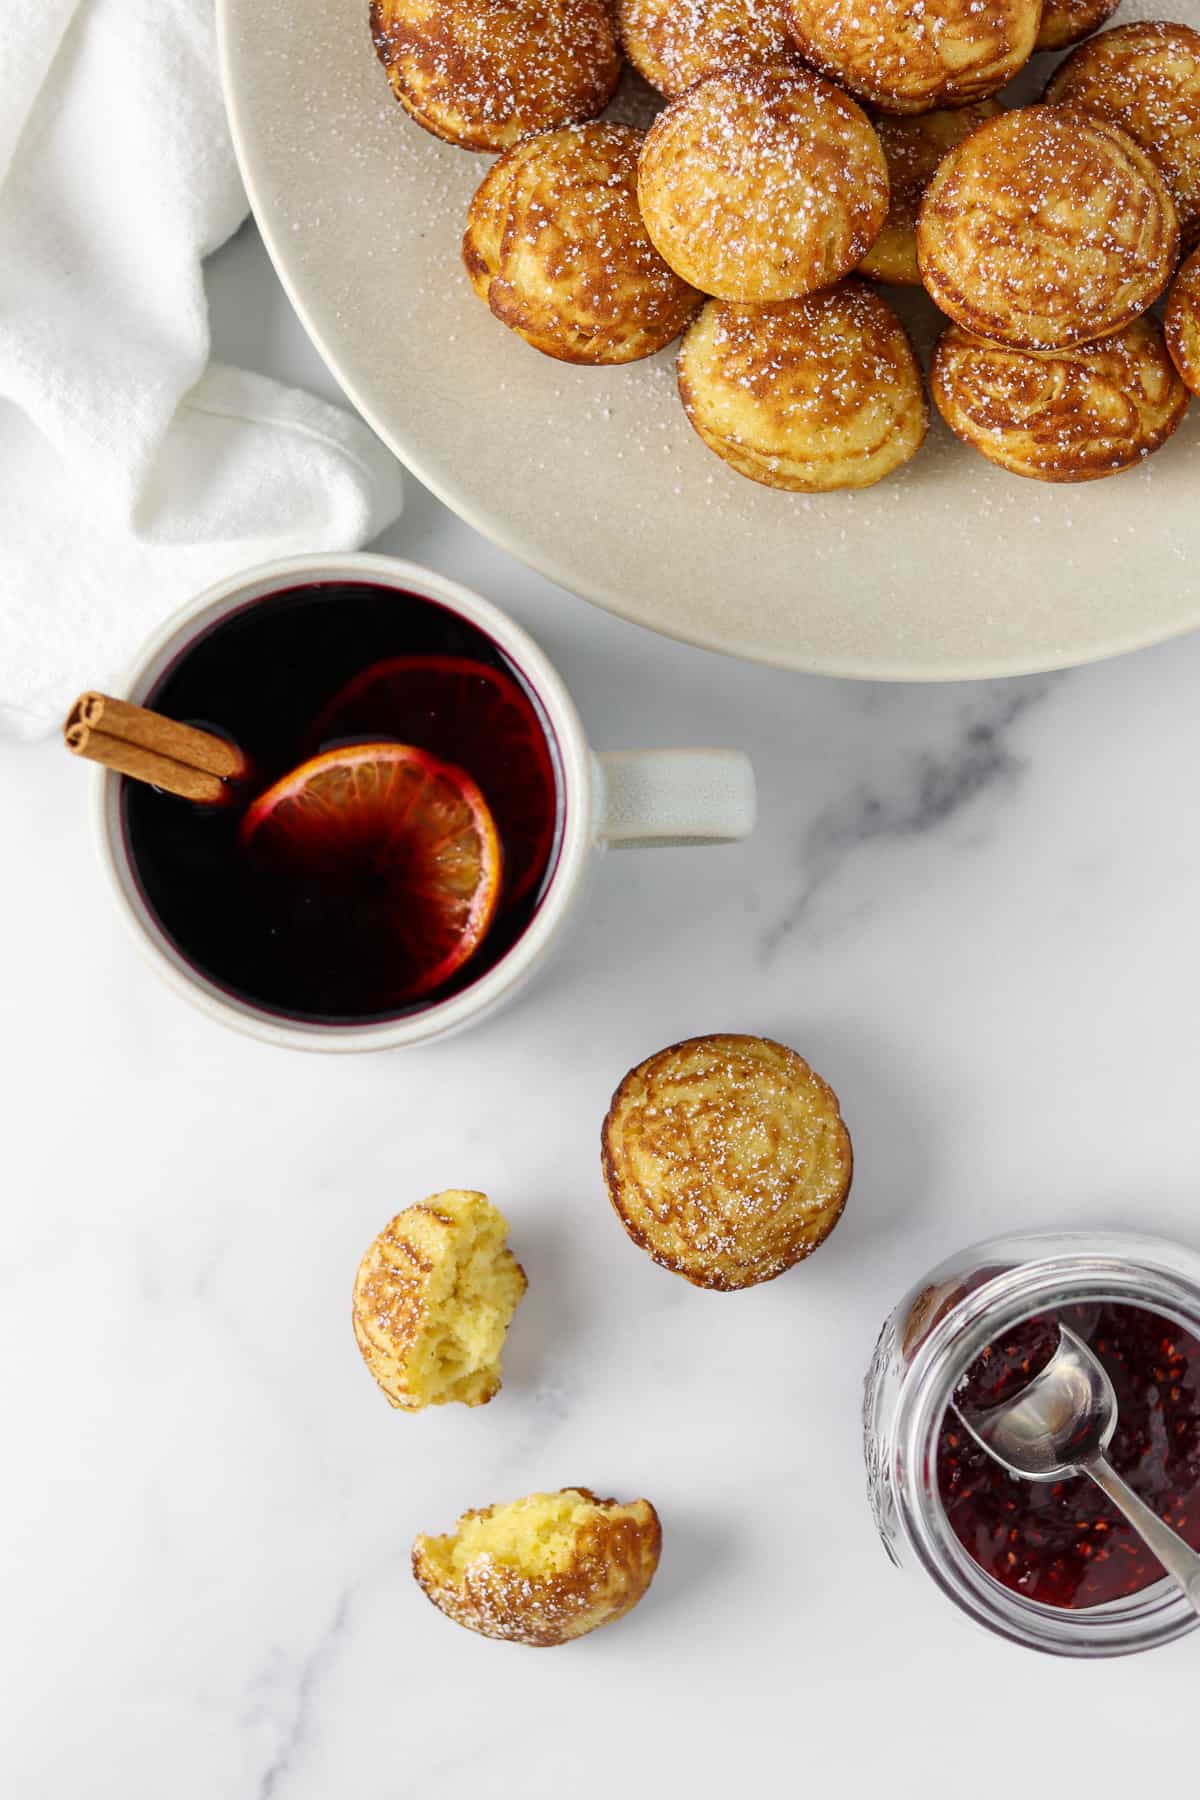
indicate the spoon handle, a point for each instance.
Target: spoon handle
{"x":1181,"y":1562}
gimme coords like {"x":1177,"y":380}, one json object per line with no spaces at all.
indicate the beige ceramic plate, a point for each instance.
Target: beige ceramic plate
{"x":949,"y":570}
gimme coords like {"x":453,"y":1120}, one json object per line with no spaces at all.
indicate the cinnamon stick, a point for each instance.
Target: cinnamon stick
{"x":133,"y":741}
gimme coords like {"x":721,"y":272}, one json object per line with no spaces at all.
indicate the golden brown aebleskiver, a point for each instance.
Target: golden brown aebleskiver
{"x":1046,"y":227}
{"x":544,"y":1569}
{"x":915,"y":147}
{"x":1183,"y":323}
{"x":673,"y":43}
{"x":483,"y":74}
{"x":556,"y":245}
{"x":726,"y":1158}
{"x":433,"y":1298}
{"x":808,"y":395}
{"x":1146,"y":79}
{"x":1061,"y":415}
{"x":1066,"y":21}
{"x":487,"y":217}
{"x":762,"y":183}
{"x":909,"y":56}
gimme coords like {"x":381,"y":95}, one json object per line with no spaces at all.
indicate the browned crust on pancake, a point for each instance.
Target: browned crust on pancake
{"x":484,"y":74}
{"x":1065,"y":22}
{"x":909,"y":59}
{"x":1066,"y":415}
{"x":810,"y":395}
{"x":1183,"y":323}
{"x":674,"y":43}
{"x":1146,"y":79}
{"x":556,"y":245}
{"x":1001,"y":254}
{"x":915,"y":147}
{"x":487,"y":217}
{"x":763,"y":183}
{"x":726,"y":1158}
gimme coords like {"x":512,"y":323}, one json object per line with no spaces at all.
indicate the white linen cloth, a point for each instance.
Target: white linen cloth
{"x":132,"y":471}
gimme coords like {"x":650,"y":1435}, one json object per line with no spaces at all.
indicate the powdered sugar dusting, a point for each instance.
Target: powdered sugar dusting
{"x":763,"y":183}
{"x":812,"y":395}
{"x":486,"y":73}
{"x":920,"y":54}
{"x":1066,"y":415}
{"x":1146,"y":79}
{"x":563,"y":255}
{"x":1046,"y":228}
{"x":674,"y":43}
{"x":727,"y":1159}
{"x":1066,"y":21}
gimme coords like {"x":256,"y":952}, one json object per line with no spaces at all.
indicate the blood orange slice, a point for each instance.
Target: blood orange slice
{"x":475,"y":716}
{"x":404,"y":850}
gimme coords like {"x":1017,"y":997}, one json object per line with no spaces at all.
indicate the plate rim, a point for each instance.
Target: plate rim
{"x":594,"y":592}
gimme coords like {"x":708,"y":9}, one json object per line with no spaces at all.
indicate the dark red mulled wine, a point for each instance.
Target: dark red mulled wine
{"x":309,"y":670}
{"x":1063,"y":1543}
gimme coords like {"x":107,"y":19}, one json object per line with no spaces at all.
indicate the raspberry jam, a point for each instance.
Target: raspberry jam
{"x":1064,"y":1543}
{"x":1009,"y":1364}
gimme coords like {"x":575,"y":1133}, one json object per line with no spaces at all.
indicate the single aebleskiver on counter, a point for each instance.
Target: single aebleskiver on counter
{"x":726,"y":1159}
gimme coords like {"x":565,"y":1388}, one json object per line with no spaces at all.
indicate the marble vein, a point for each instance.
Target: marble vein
{"x":929,"y":790}
{"x":292,"y":1710}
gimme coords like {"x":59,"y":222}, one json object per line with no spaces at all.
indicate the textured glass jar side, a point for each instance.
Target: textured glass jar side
{"x":904,"y":1331}
{"x":880,"y":1390}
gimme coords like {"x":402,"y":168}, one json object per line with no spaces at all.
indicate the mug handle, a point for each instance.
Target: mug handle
{"x":658,"y":797}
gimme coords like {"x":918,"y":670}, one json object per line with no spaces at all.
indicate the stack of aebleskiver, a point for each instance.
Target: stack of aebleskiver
{"x":809,"y":144}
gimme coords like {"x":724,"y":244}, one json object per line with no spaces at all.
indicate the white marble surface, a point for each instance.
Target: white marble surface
{"x":973,"y":908}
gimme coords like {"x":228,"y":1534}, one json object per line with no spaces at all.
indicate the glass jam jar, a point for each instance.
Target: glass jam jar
{"x":929,"y":1342}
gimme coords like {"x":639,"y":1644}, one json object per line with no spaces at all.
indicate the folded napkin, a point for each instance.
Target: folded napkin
{"x":133,"y":472}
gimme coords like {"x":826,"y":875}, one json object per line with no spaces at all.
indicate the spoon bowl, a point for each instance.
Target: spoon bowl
{"x":1065,"y":1416}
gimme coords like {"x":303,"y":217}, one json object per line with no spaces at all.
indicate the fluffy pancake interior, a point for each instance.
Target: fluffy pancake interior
{"x":433,"y":1298}
{"x":536,"y":1535}
{"x":473,"y":1293}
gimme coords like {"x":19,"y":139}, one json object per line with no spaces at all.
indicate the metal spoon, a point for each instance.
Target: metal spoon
{"x":1061,"y":1425}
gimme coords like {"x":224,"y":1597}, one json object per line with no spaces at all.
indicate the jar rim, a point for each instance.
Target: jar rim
{"x":1043,"y":1271}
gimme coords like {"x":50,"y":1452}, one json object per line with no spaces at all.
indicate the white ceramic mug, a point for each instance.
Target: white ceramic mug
{"x":633,"y":798}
